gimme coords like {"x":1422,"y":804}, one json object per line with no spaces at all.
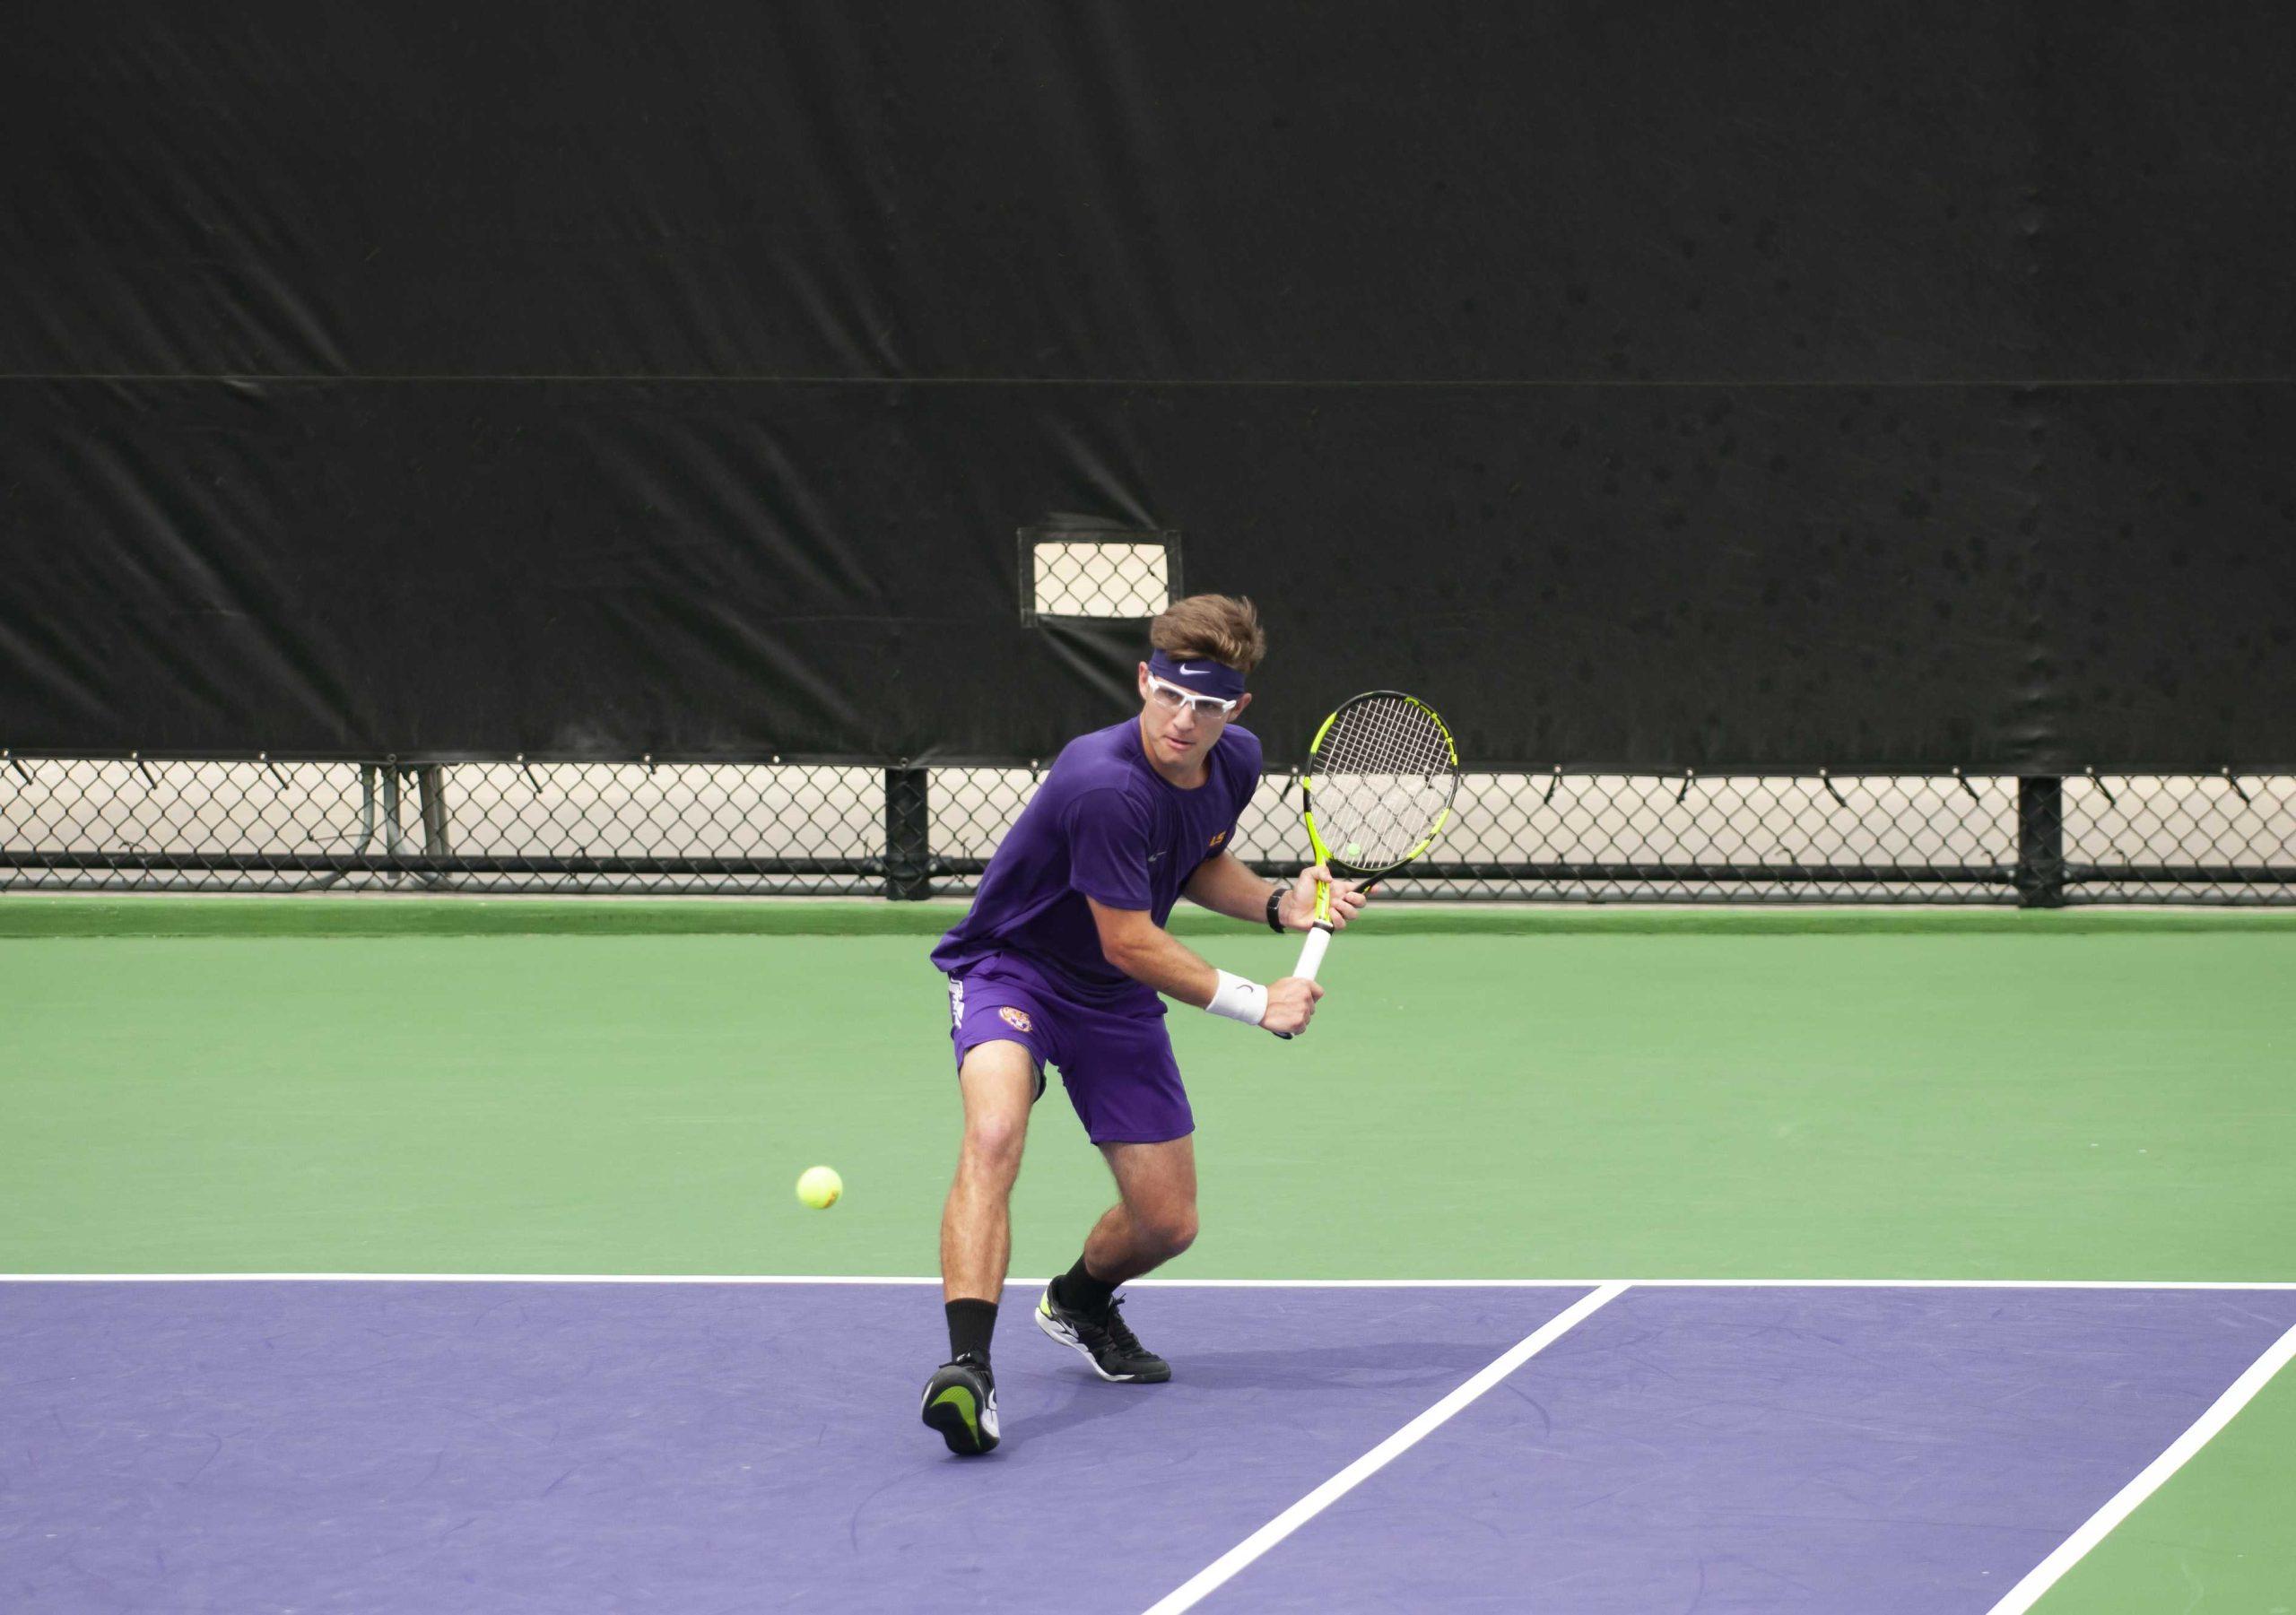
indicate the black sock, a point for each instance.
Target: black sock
{"x":1082,"y":1292}
{"x":970,"y":1323}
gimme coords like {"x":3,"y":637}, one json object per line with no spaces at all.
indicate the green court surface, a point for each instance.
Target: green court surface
{"x":2215,"y":1538}
{"x":486,"y":1086}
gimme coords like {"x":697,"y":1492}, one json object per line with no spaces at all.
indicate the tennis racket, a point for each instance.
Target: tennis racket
{"x":1380,"y":777}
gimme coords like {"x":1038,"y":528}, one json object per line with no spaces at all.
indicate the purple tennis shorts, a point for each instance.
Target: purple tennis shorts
{"x":1116,"y":1064}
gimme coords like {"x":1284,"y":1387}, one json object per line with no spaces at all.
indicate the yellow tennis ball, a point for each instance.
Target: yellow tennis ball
{"x":819,"y":1187}
{"x":1353,"y":850}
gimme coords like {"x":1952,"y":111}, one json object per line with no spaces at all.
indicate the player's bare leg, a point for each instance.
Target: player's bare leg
{"x":1155,"y":1220}
{"x":1153,"y":1223}
{"x":999,"y":1081}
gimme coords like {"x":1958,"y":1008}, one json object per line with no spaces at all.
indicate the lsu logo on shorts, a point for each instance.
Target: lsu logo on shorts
{"x":956,"y":1003}
{"x":1017,"y":1020}
{"x":1217,"y":839}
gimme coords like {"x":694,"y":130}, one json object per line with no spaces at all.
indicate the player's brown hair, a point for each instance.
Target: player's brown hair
{"x":1225,"y":628}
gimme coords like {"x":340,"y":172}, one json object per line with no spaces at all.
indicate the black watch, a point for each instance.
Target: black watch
{"x":1274,"y":902}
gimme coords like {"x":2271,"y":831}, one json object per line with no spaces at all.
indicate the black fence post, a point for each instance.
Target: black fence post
{"x":908,"y":836}
{"x":430,"y":794}
{"x":431,"y":791}
{"x":393,"y":838}
{"x":2040,"y":843}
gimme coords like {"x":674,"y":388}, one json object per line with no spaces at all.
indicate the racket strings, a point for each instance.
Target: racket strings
{"x":1383,"y":777}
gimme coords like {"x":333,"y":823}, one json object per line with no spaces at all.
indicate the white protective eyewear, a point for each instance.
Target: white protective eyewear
{"x":1172,"y":697}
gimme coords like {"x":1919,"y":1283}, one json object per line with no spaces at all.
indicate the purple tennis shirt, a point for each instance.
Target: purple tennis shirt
{"x":1104,"y":825}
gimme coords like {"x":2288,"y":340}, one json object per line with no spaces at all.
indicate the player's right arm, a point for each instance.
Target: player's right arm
{"x":1148,"y":954}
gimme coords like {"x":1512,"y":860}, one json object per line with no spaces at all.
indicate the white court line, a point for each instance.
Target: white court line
{"x":2044,"y":1575}
{"x":1017,"y":1282}
{"x":1190,"y":1592}
{"x":1722,"y":1283}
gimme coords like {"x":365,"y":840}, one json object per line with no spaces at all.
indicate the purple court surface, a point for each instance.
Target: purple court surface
{"x":424,"y":1446}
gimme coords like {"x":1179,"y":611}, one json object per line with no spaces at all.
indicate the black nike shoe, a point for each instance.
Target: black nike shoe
{"x":1111,"y":1348}
{"x":961,"y":1403}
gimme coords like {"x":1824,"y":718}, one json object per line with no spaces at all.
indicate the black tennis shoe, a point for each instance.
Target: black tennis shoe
{"x":1106,"y":1340}
{"x":961,"y":1403}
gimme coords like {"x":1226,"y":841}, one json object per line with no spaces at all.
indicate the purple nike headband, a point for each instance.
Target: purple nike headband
{"x":1198,"y":675}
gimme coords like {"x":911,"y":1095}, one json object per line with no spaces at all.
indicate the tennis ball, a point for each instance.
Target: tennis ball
{"x":1351,"y":851}
{"x":819,"y":1187}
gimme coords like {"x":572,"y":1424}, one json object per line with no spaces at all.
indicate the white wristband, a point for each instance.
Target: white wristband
{"x":1238,"y":1000}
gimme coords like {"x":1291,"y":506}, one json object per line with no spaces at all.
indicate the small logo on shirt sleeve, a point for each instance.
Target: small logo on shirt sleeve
{"x":1217,"y":839}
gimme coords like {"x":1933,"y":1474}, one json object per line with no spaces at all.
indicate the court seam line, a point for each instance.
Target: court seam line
{"x":1221,"y":1570}
{"x":2124,"y":1502}
{"x":2273,"y":1285}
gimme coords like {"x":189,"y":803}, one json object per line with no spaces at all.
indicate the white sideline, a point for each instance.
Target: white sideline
{"x":1188,"y":1592}
{"x":2044,"y":1575}
{"x":1018,"y":1282}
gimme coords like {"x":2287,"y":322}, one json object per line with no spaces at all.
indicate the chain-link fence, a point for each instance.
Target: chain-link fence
{"x":652,"y":827}
{"x":520,"y":825}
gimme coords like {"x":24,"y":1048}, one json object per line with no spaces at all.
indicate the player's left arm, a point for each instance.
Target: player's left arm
{"x":1223,"y":884}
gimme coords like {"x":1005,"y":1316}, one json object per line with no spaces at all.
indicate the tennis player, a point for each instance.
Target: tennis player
{"x":1060,"y":963}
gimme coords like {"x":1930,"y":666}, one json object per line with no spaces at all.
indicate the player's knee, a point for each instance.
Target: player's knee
{"x":1172,"y":1231}
{"x":994,"y":1139}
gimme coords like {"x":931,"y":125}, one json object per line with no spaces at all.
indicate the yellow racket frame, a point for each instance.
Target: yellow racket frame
{"x":1319,"y":938}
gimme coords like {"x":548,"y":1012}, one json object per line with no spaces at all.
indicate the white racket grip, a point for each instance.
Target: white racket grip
{"x":1311,"y":952}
